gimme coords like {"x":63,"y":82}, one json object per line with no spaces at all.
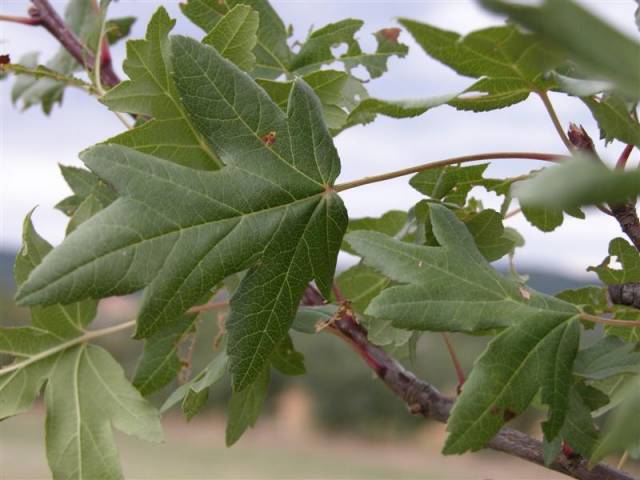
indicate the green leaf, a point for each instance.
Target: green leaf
{"x":622,"y":430}
{"x":579,"y":181}
{"x":308,"y":317}
{"x":151,"y":91}
{"x":586,"y":39}
{"x":234,"y":36}
{"x":245,"y":406}
{"x":338,"y":92}
{"x":193,"y":402}
{"x":536,"y":353}
{"x":316,"y":50}
{"x":118,"y":28}
{"x":579,"y":431}
{"x":579,"y":87}
{"x":613,"y":117}
{"x":608,"y":357}
{"x":209,"y":376}
{"x":272,"y":52}
{"x":490,"y":236}
{"x":508,"y":63}
{"x":80,"y":17}
{"x":628,"y":257}
{"x":592,"y":298}
{"x":390,"y":223}
{"x":361,"y":284}
{"x":368,"y":108}
{"x":86,"y":393}
{"x":86,"y":209}
{"x":159,"y":363}
{"x":287,"y":360}
{"x":450,"y":288}
{"x":271,"y":209}
{"x":451,"y":183}
{"x":631,"y":335}
{"x":89,"y":192}
{"x":453,"y":288}
{"x":544,"y":218}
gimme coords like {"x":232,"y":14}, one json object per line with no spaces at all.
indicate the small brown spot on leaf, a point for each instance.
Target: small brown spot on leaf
{"x":5,"y":59}
{"x":269,"y":139}
{"x":508,"y":414}
{"x":391,"y":34}
{"x":494,"y":410}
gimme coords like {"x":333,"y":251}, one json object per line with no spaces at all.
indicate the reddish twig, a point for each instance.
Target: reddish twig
{"x":43,"y":14}
{"x":424,"y":399}
{"x":624,"y":156}
{"x":624,"y":213}
{"x":456,"y":363}
{"x":22,"y":20}
{"x":208,"y":306}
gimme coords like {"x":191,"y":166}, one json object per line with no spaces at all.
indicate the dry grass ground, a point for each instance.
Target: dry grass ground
{"x":276,"y":449}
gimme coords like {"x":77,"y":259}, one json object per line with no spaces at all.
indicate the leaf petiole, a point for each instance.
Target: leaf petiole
{"x":547,"y":157}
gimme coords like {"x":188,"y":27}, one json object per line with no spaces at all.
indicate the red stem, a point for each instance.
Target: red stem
{"x":624,"y":156}
{"x":21,"y":20}
{"x":455,"y":361}
{"x":44,"y":14}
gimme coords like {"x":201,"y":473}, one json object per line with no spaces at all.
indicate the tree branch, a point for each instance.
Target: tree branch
{"x":42,"y":13}
{"x":424,"y":399}
{"x":624,"y":213}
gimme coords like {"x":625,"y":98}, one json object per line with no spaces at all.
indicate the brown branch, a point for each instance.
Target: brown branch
{"x":624,"y":213}
{"x":43,"y":14}
{"x":424,"y":399}
{"x":625,"y":294}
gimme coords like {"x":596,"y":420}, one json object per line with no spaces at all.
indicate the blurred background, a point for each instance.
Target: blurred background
{"x":337,"y":421}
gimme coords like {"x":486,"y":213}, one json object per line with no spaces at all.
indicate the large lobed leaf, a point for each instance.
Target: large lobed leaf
{"x":453,"y":288}
{"x":86,"y":391}
{"x":587,"y":40}
{"x":180,"y":231}
{"x":509,"y":64}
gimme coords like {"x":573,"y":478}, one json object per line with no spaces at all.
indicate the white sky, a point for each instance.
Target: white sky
{"x":31,"y":145}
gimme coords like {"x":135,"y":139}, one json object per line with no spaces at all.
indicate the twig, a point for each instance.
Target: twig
{"x":625,"y":294}
{"x":610,"y":321}
{"x":623,"y":460}
{"x":42,"y":13}
{"x":337,"y":292}
{"x":424,"y":399}
{"x":624,"y":213}
{"x":624,"y":156}
{"x":90,"y":335}
{"x":554,"y":119}
{"x":22,"y":20}
{"x":455,"y":361}
{"x":512,"y":213}
{"x":208,"y":306}
{"x":548,"y":157}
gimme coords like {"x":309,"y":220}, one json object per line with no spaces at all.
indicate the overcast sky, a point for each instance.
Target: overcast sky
{"x":31,"y":145}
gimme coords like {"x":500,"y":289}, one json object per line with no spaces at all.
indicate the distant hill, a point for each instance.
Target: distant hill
{"x":6,"y":270}
{"x":544,"y":281}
